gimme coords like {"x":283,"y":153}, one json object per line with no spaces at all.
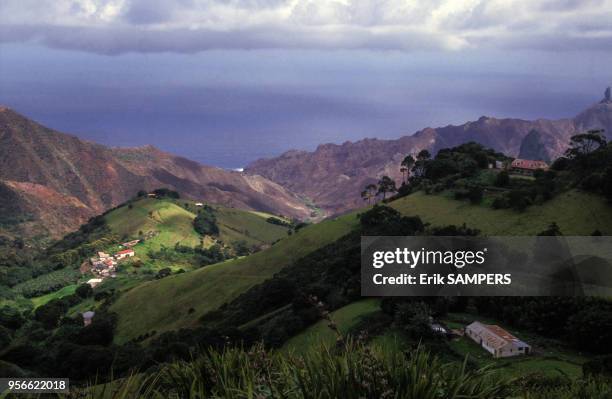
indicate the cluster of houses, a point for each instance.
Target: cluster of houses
{"x":492,"y":338}
{"x":105,"y":265}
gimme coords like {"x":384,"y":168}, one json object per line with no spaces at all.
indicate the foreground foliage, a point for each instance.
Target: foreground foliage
{"x":351,"y":370}
{"x":354,"y":371}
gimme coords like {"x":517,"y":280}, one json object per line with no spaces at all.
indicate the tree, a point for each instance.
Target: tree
{"x":405,"y":166}
{"x":420,"y":165}
{"x":205,"y":223}
{"x":50,"y":313}
{"x":167,"y":193}
{"x":423,"y":155}
{"x":369,"y":192}
{"x":585,"y":143}
{"x":414,"y":318}
{"x":386,"y":185}
{"x":502,"y":179}
{"x":84,"y":291}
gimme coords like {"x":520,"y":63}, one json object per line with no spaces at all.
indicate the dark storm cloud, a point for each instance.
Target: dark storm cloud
{"x":124,"y":40}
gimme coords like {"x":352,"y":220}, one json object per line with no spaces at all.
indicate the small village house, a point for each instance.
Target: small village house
{"x":496,"y":340}
{"x":199,"y":204}
{"x":124,"y":254}
{"x":93,"y":282}
{"x":527,"y":166}
{"x":130,"y":244}
{"x":88,"y":317}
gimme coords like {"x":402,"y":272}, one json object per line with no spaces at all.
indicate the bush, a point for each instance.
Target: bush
{"x":414,"y":318}
{"x":601,"y":365}
{"x":84,"y":291}
{"x":205,"y":223}
{"x":166,"y":193}
{"x":277,"y":221}
{"x":502,"y":179}
{"x":519,"y":199}
{"x":501,"y":202}
{"x":165,"y":272}
{"x":50,"y":313}
{"x":11,"y":318}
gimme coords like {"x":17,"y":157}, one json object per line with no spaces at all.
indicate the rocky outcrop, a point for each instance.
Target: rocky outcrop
{"x":607,"y":96}
{"x":533,"y":147}
{"x":61,"y":180}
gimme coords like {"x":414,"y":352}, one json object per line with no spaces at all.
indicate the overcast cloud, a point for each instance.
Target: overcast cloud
{"x":225,"y":82}
{"x":186,"y":26}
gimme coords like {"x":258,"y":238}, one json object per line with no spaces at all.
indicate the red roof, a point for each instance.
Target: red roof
{"x":125,"y":251}
{"x":529,"y":164}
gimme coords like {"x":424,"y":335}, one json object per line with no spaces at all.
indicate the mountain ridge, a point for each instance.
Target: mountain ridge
{"x":333,"y":175}
{"x":100,"y":177}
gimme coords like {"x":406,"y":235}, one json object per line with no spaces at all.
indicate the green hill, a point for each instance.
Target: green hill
{"x":164,"y":305}
{"x":576,"y":213}
{"x":165,"y":223}
{"x":171,"y":222}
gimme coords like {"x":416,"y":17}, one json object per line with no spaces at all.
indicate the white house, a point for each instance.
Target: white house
{"x":94,"y":281}
{"x":199,"y":204}
{"x":124,"y":254}
{"x":496,"y":340}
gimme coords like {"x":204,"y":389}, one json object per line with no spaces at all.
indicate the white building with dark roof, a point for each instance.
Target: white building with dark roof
{"x":496,"y":340}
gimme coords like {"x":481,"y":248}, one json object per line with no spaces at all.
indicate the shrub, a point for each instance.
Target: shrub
{"x":205,"y":223}
{"x":501,"y":202}
{"x":502,"y":179}
{"x":84,"y":291}
{"x":277,"y":221}
{"x":165,"y":272}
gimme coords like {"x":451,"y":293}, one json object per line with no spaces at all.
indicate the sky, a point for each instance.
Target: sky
{"x":226,"y":82}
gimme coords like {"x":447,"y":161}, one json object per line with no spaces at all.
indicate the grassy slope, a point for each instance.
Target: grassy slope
{"x":345,"y":317}
{"x":237,"y":224}
{"x":41,"y":300}
{"x":173,"y":223}
{"x":163,"y":305}
{"x":576,"y":213}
